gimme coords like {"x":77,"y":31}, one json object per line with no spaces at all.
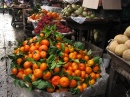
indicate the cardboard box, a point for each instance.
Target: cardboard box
{"x":107,"y":4}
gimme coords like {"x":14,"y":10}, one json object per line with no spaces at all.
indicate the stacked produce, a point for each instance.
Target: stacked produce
{"x":77,"y":11}
{"x":53,"y":63}
{"x":121,"y":45}
{"x":42,"y":12}
{"x":47,"y":20}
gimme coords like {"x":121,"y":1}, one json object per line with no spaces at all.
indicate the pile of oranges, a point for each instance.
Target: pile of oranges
{"x":51,"y":63}
{"x":53,"y":15}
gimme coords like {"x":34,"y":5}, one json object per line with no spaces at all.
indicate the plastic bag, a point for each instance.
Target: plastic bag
{"x":71,"y":1}
{"x":97,"y":89}
{"x":79,"y":20}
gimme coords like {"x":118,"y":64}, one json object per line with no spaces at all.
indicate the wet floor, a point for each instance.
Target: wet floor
{"x":8,"y":37}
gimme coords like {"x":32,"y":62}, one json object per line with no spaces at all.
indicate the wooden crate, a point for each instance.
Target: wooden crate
{"x":120,"y":62}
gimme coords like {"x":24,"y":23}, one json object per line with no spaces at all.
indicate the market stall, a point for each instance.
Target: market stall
{"x":53,"y":59}
{"x":120,"y":57}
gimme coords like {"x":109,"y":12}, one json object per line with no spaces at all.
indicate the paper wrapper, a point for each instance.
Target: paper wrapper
{"x":79,"y":20}
{"x":71,"y":1}
{"x":97,"y":89}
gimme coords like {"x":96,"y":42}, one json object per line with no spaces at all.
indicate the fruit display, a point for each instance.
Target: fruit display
{"x":42,"y":12}
{"x":77,"y":11}
{"x":47,"y":20}
{"x":52,"y":63}
{"x":121,"y":44}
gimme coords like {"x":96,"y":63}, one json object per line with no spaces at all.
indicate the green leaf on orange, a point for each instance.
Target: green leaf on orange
{"x":89,"y":52}
{"x":30,"y":60}
{"x":27,"y":79}
{"x":35,"y":83}
{"x":42,"y":85}
{"x":16,"y":82}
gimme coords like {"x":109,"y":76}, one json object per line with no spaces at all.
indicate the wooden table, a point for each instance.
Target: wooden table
{"x":88,"y":25}
{"x":117,"y":65}
{"x":16,"y":19}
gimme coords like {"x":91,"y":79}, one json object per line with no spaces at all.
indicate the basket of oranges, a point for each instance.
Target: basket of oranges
{"x":54,"y":65}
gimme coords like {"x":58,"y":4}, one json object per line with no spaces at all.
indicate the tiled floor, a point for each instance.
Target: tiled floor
{"x":8,"y":35}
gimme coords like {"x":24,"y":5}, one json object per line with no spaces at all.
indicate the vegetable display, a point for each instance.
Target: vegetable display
{"x":121,"y":45}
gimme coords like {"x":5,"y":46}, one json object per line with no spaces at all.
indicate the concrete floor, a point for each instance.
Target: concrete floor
{"x":10,"y":34}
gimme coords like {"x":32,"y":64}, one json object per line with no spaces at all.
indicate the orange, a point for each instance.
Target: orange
{"x":33,"y":78}
{"x":72,"y":55}
{"x":25,"y":42}
{"x":54,"y":14}
{"x":49,"y":14}
{"x":19,"y":60}
{"x":73,"y":83}
{"x":21,"y":69}
{"x":30,"y":55}
{"x":36,"y":56}
{"x":81,"y":52}
{"x":86,"y":75}
{"x":43,"y":54}
{"x":38,"y":73}
{"x":92,"y":82}
{"x":34,"y":38}
{"x":22,"y":49}
{"x":50,"y":90}
{"x":66,"y":55}
{"x":14,"y":71}
{"x":27,"y":64}
{"x":37,"y":45}
{"x":83,"y":74}
{"x":19,"y":75}
{"x":43,"y":48}
{"x":74,"y":66}
{"x":77,"y":72}
{"x":80,"y":88}
{"x":28,"y":71}
{"x":47,"y":76}
{"x":26,"y":48}
{"x":88,"y":70}
{"x":86,"y":58}
{"x":81,"y":66}
{"x":69,"y":72}
{"x":71,"y":49}
{"x":58,"y":46}
{"x":66,"y":59}
{"x":23,"y":75}
{"x":67,"y":64}
{"x":66,"y":50}
{"x":70,"y":68}
{"x":64,"y":81}
{"x":96,"y":68}
{"x":57,"y":69}
{"x":32,"y":48}
{"x":93,"y":75}
{"x":98,"y":75}
{"x":84,"y":85}
{"x":41,"y":34}
{"x":90,"y":62}
{"x":79,"y":56}
{"x":55,"y":80}
{"x":43,"y":66}
{"x":35,"y":66}
{"x":45,"y":42}
{"x":37,"y":16}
